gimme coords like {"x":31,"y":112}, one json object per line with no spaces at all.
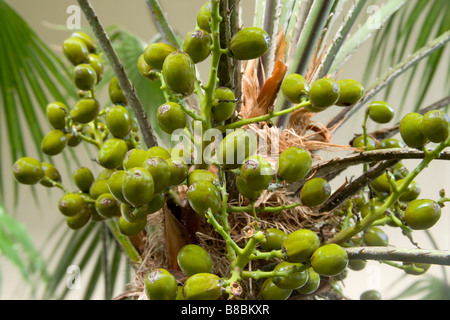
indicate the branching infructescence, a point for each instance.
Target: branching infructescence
{"x":136,"y":181}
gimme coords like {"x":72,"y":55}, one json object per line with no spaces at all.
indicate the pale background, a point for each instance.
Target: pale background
{"x":134,"y":16}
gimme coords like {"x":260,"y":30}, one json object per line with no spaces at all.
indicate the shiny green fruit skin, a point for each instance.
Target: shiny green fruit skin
{"x":178,"y":171}
{"x":51,"y":173}
{"x":380,"y":111}
{"x":115,"y":182}
{"x":145,"y":70}
{"x":295,"y":280}
{"x":436,"y":125}
{"x":324,"y":93}
{"x":84,"y":76}
{"x":370,"y":295}
{"x":138,"y":186}
{"x":79,"y":220}
{"x":315,"y":192}
{"x":115,"y":92}
{"x":300,"y":245}
{"x":202,"y":175}
{"x":244,"y":189}
{"x":411,"y":130}
{"x":112,"y":152}
{"x":130,"y":229}
{"x":411,"y":193}
{"x":375,"y":237}
{"x":134,"y":158}
{"x":73,"y":140}
{"x":356,"y":264}
{"x":156,"y":203}
{"x":107,"y":206}
{"x":329,"y":260}
{"x":359,"y":143}
{"x":99,"y":187}
{"x":71,"y":204}
{"x":54,"y":142}
{"x":179,"y":73}
{"x":193,"y":259}
{"x":204,"y":17}
{"x":160,"y":284}
{"x":350,"y":92}
{"x":156,"y":53}
{"x":171,"y":117}
{"x":390,"y":143}
{"x":202,"y":286}
{"x":249,"y":43}
{"x":160,"y":171}
{"x":235,"y":148}
{"x":257,"y":172}
{"x":132,"y":214}
{"x":273,"y":239}
{"x":56,"y":113}
{"x":269,"y":291}
{"x":224,"y":104}
{"x":422,"y":214}
{"x":28,"y":171}
{"x":197,"y":45}
{"x":91,"y":46}
{"x":97,"y":63}
{"x":203,"y":195}
{"x":294,"y":88}
{"x":158,"y":151}
{"x":415,"y":269}
{"x":75,"y":50}
{"x":118,"y":121}
{"x":85,"y":110}
{"x":312,"y":284}
{"x":293,"y":164}
{"x":381,"y":183}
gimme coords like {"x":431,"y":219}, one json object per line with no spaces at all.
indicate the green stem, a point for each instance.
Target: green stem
{"x":259,"y":274}
{"x":125,"y":243}
{"x":223,"y":232}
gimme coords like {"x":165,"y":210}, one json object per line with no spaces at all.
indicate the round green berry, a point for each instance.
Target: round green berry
{"x":202,"y":286}
{"x":160,"y":284}
{"x":249,"y":43}
{"x":179,"y":73}
{"x":193,"y":259}
{"x":315,"y":192}
{"x":197,"y":44}
{"x":324,"y":93}
{"x":329,"y":260}
{"x":28,"y":171}
{"x":300,"y":245}
{"x":411,"y":130}
{"x":257,"y":172}
{"x":294,"y":88}
{"x":351,"y":91}
{"x":293,"y":164}
{"x":380,"y":111}
{"x":435,"y":126}
{"x":422,"y":214}
{"x":171,"y":117}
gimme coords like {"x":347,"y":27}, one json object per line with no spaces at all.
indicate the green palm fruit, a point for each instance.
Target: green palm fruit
{"x":381,"y":183}
{"x":156,"y":203}
{"x":193,"y":259}
{"x":269,"y":291}
{"x":71,"y":204}
{"x":411,"y":193}
{"x":115,"y":182}
{"x":422,"y":214}
{"x":99,"y":187}
{"x":85,"y":110}
{"x":411,"y":130}
{"x":350,"y":92}
{"x":97,"y":63}
{"x":84,"y":76}
{"x":235,"y":148}
{"x":204,"y":17}
{"x":329,"y":260}
{"x":118,"y":121}
{"x":224,"y":104}
{"x":202,"y":286}
{"x":370,"y":295}
{"x":158,"y":151}
{"x":130,"y":229}
{"x":145,"y":70}
{"x":51,"y":173}
{"x":295,"y":279}
{"x":156,"y":53}
{"x":246,"y":191}
{"x":273,"y":239}
{"x":312,"y":284}
{"x":171,"y":117}
{"x":293,"y":164}
{"x":249,"y":43}
{"x":197,"y":45}
{"x":27,"y":170}
{"x":390,"y":143}
{"x":115,"y":92}
{"x":324,"y":93}
{"x":300,"y":245}
{"x":294,"y":88}
{"x":75,"y":50}
{"x":56,"y":113}
{"x":203,"y":195}
{"x":435,"y":126}
{"x":112,"y":152}
{"x":358,"y":142}
{"x":314,"y":192}
{"x":138,"y":186}
{"x":202,"y":175}
{"x":134,"y":158}
{"x":179,"y":73}
{"x":79,"y":220}
{"x":380,"y":111}
{"x":54,"y":142}
{"x":90,"y":44}
{"x":107,"y":206}
{"x":375,"y":237}
{"x":160,"y":284}
{"x":132,"y":214}
{"x":257,"y":172}
{"x":178,"y":171}
{"x":160,"y":171}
